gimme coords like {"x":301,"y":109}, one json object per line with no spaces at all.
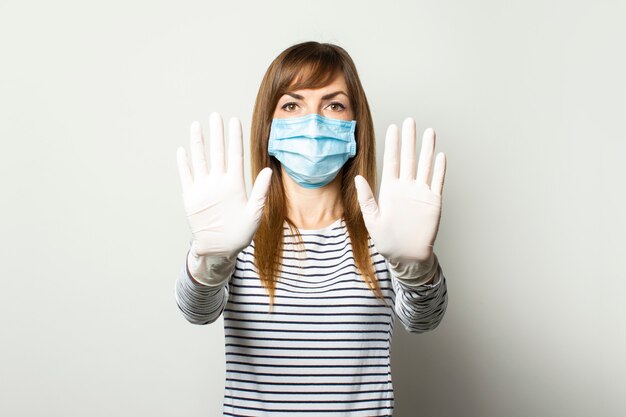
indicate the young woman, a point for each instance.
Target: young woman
{"x":311,"y":270}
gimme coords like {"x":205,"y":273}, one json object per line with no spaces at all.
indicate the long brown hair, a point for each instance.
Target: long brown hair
{"x":303,"y":66}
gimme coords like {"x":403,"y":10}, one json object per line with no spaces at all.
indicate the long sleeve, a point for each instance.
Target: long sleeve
{"x":420,"y":302}
{"x":201,"y":297}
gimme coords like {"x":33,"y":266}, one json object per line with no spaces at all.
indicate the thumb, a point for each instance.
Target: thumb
{"x":255,"y":204}
{"x":369,"y":208}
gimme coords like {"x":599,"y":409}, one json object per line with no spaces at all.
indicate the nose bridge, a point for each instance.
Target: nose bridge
{"x":315,"y":108}
{"x":314,"y":103}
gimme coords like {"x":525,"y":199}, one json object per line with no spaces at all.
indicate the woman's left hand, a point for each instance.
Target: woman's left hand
{"x":404,"y":223}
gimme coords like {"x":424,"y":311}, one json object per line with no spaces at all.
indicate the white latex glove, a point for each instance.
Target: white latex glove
{"x":403,"y":224}
{"x":222,"y":218}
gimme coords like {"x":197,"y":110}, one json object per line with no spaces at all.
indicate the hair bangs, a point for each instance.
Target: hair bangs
{"x":314,"y":70}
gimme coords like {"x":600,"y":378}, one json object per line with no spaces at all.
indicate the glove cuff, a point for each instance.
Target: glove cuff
{"x":211,"y":271}
{"x":414,"y":273}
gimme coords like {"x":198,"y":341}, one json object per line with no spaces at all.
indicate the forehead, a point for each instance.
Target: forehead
{"x":336,"y":82}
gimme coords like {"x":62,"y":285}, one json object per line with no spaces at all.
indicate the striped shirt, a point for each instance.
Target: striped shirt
{"x":325,"y":348}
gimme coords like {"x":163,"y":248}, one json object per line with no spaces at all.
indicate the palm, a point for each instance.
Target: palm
{"x":227,"y":201}
{"x":222,"y":218}
{"x":404,"y":222}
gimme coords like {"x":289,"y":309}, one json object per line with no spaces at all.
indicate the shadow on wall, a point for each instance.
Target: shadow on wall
{"x":432,"y":375}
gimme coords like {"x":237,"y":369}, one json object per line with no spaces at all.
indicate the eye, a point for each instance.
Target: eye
{"x":291,"y":106}
{"x":336,"y":106}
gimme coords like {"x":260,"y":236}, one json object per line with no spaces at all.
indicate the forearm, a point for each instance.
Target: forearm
{"x":421,"y":295}
{"x":201,"y":290}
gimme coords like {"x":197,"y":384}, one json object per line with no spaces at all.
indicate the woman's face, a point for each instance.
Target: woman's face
{"x":329,"y":101}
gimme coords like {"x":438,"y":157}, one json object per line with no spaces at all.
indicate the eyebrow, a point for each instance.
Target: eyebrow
{"x":326,"y":97}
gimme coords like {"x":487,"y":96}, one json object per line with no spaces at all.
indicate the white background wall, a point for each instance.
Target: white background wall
{"x":528,"y":99}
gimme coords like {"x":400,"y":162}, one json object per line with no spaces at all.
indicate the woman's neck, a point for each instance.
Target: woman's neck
{"x":313,"y":208}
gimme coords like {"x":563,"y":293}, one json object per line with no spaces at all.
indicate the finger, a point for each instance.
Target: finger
{"x":391,"y":162}
{"x":426,"y":156}
{"x":407,"y":154}
{"x":235,"y":149}
{"x":368,"y":204}
{"x":198,"y":157}
{"x":255,"y":204}
{"x":186,"y":180}
{"x":439,"y":174}
{"x":216,"y":145}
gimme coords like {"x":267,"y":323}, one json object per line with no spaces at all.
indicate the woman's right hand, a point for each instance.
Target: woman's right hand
{"x":222,"y":218}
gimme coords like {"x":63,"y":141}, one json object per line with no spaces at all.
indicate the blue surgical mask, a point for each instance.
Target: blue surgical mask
{"x":312,"y":148}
